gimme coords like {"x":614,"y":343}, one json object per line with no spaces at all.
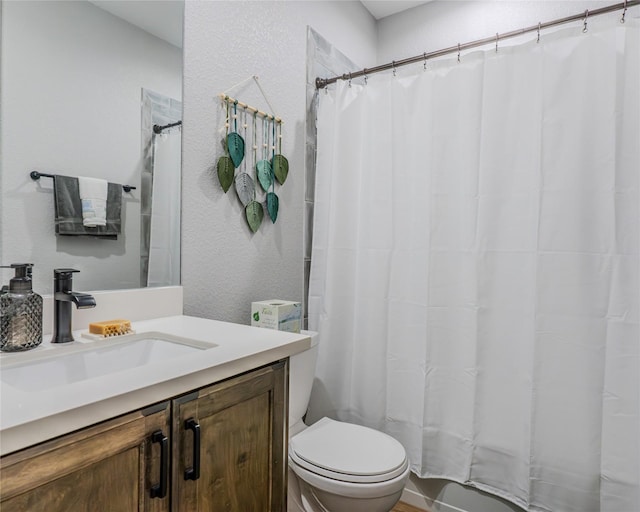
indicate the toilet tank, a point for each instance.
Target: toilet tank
{"x":302,"y":368}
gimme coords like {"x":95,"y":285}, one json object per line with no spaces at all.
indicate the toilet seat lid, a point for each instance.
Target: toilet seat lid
{"x":348,"y":452}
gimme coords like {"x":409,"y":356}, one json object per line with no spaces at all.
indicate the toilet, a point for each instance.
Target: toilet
{"x":336,"y":466}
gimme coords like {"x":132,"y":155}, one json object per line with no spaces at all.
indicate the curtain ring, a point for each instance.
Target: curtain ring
{"x":458,"y":52}
{"x":365,"y":76}
{"x":538,"y":40}
{"x":425,"y":61}
{"x":393,"y":63}
{"x":586,"y":17}
{"x":497,"y":37}
{"x":349,"y":78}
{"x":624,"y":12}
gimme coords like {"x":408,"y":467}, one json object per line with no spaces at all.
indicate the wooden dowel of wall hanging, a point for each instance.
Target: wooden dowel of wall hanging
{"x":224,"y":97}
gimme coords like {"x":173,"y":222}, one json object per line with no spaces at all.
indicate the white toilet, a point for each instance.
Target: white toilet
{"x":336,"y":466}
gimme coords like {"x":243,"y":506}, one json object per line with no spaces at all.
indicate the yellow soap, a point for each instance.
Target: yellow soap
{"x":110,"y":327}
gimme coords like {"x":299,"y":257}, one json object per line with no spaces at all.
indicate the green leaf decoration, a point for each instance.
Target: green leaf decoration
{"x":265,"y":174}
{"x":280,"y":168}
{"x":272,"y":206}
{"x":245,"y":188}
{"x":254,"y":213}
{"x":235,"y":145}
{"x":226,"y":171}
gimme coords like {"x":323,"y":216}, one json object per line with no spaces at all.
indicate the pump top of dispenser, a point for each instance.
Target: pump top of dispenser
{"x":21,"y":282}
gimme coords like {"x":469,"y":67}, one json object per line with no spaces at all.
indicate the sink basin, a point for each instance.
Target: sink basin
{"x":67,"y":365}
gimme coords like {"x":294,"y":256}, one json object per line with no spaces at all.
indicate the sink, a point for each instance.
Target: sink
{"x":64,"y":365}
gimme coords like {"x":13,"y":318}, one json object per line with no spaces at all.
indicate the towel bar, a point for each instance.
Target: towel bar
{"x":35,"y":175}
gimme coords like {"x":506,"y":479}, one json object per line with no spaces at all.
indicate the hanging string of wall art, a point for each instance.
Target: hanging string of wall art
{"x":254,"y":183}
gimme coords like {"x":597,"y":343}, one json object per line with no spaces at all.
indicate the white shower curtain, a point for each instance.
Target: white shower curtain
{"x":475,"y":266}
{"x":164,"y":244}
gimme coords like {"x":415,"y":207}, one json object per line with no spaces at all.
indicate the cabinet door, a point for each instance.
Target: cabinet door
{"x":108,"y":467}
{"x":230,"y":443}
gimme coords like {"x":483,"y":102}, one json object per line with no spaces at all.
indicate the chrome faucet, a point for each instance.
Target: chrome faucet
{"x":63,"y":298}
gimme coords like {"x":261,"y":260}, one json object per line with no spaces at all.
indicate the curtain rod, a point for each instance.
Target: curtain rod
{"x":158,"y":129}
{"x":323,"y":82}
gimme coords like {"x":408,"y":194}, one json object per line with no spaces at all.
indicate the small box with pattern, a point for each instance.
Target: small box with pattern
{"x":277,"y":314}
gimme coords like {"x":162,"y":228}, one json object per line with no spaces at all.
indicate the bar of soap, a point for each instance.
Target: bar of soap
{"x":110,"y":327}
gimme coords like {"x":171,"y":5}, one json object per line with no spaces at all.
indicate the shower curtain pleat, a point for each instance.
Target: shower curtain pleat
{"x":475,"y":267}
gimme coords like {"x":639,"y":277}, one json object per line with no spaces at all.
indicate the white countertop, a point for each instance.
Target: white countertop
{"x":30,"y":417}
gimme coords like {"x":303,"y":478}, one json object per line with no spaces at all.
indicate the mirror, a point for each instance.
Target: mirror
{"x":81,"y":86}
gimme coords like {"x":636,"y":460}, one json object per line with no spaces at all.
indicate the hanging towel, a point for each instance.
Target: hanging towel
{"x":93,"y":196}
{"x":68,"y":210}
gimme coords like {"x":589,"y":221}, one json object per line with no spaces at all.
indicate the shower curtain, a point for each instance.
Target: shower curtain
{"x":164,"y":245}
{"x":475,"y":266}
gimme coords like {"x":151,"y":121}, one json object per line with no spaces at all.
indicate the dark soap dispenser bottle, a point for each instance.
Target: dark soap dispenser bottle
{"x":20,"y":312}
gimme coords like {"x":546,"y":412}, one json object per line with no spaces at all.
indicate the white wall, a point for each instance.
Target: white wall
{"x":443,"y":24}
{"x":72,"y":76}
{"x":225,"y":267}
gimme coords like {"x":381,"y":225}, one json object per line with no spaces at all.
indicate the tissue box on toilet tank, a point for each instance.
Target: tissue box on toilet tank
{"x":277,"y":314}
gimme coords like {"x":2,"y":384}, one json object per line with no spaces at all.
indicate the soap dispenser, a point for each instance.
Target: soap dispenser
{"x":20,"y":312}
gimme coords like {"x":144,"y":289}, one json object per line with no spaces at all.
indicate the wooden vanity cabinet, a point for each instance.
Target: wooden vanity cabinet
{"x":221,"y":448}
{"x":105,"y":467}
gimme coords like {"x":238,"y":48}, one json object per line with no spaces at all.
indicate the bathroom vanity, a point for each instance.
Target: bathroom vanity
{"x":201,"y":430}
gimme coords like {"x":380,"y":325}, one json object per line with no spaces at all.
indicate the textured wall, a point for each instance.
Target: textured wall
{"x":225,"y":267}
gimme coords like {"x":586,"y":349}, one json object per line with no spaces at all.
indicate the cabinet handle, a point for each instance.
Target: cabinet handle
{"x":160,"y":490}
{"x":194,"y":472}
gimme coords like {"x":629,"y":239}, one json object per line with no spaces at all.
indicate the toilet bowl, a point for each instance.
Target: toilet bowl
{"x":336,"y":466}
